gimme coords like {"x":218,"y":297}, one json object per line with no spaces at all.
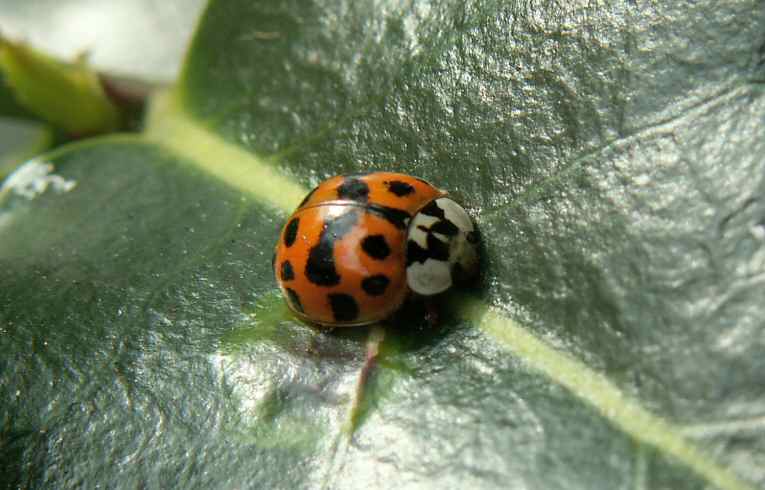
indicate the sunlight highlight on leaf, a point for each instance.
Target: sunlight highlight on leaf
{"x":169,"y":126}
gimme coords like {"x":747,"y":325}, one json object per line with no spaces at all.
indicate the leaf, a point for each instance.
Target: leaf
{"x":68,"y":95}
{"x":611,"y":157}
{"x":20,"y":140}
{"x":21,"y":137}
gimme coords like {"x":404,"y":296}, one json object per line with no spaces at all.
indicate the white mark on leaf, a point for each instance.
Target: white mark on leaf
{"x":34,"y":178}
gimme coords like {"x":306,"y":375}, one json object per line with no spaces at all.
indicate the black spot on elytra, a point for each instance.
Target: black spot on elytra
{"x":290,"y":232}
{"x":353,"y":189}
{"x":397,"y":217}
{"x":375,"y":285}
{"x":432,"y":209}
{"x":287,"y":273}
{"x":399,"y":188}
{"x":307,"y":197}
{"x":344,"y":307}
{"x":294,"y":300}
{"x":375,"y":246}
{"x":320,"y":267}
{"x":444,"y":227}
{"x":473,"y":237}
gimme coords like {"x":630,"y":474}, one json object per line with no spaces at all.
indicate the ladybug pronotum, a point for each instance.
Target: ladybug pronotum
{"x":358,"y":246}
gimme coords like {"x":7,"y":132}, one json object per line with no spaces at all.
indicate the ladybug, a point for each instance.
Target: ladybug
{"x":358,"y":246}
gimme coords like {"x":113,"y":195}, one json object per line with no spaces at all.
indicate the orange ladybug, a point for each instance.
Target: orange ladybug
{"x":359,"y":245}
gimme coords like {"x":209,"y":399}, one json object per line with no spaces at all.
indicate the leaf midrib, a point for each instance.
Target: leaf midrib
{"x":174,"y":128}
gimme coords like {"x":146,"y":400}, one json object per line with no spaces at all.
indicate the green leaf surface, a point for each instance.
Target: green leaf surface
{"x":67,"y":95}
{"x":19,"y":140}
{"x":612,"y":158}
{"x":21,"y":136}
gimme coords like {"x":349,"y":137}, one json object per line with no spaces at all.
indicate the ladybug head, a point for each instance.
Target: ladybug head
{"x":442,"y":248}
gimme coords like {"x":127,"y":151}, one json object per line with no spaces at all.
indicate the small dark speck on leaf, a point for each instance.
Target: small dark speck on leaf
{"x":261,"y":36}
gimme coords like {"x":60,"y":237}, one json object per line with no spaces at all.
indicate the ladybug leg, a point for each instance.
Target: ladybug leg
{"x":319,"y":331}
{"x":313,"y":346}
{"x":432,"y":313}
{"x":376,"y":337}
{"x":370,"y":363}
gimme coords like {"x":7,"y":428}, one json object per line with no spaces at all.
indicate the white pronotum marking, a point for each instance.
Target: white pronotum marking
{"x":435,"y":276}
{"x":429,"y":278}
{"x":416,"y":234}
{"x":454,"y":213}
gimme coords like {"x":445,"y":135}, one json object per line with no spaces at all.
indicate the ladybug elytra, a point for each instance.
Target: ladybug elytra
{"x":358,"y":246}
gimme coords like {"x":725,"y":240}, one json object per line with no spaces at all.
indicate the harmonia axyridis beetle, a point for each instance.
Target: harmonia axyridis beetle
{"x":358,"y":246}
